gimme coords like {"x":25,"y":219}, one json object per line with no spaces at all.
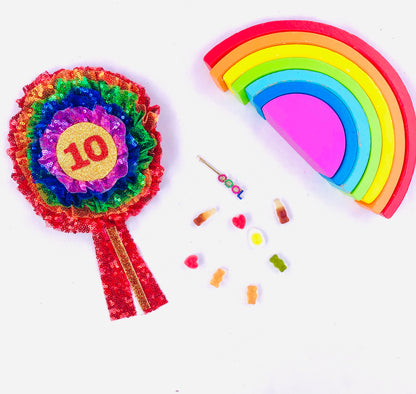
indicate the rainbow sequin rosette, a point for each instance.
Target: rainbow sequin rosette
{"x":86,"y":155}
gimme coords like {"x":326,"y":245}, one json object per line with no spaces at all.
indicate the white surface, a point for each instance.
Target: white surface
{"x":339,"y":320}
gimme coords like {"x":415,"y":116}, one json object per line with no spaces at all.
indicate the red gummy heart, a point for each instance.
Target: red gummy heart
{"x":239,"y":221}
{"x":192,"y":261}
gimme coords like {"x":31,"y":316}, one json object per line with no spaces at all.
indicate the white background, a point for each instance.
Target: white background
{"x":340,"y":319}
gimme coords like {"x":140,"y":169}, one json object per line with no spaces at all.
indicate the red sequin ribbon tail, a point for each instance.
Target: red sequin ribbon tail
{"x":124,"y":271}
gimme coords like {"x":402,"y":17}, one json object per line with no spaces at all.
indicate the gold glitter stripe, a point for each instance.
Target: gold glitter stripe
{"x":128,"y":267}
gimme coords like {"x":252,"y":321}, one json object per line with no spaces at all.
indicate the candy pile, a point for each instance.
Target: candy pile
{"x":256,"y":238}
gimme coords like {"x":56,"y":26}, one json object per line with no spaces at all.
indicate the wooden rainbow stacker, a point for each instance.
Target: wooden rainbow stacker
{"x":334,"y":99}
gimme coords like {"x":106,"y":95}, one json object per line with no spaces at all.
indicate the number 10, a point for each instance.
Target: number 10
{"x":79,"y":161}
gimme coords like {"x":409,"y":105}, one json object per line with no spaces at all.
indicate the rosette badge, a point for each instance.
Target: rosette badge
{"x":86,"y":155}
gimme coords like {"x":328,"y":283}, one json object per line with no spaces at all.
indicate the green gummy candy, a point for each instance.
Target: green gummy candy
{"x":278,"y":262}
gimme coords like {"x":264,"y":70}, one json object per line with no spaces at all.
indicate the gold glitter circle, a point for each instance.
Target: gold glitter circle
{"x":86,"y":152}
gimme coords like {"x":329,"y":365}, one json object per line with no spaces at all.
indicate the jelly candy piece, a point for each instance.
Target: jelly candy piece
{"x":217,"y":277}
{"x":239,"y":221}
{"x":281,"y":211}
{"x":278,"y":262}
{"x":192,"y":261}
{"x":256,"y":237}
{"x":201,"y":218}
{"x":251,"y":294}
